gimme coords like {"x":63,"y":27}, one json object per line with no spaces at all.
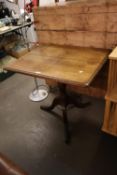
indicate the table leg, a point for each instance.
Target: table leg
{"x":55,"y":102}
{"x":61,"y":99}
{"x":66,"y":126}
{"x":64,"y":100}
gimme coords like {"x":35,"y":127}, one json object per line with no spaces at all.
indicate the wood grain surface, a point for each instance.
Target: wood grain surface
{"x":71,"y":65}
{"x":87,"y":23}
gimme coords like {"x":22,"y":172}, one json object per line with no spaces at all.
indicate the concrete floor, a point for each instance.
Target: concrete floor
{"x":34,"y":139}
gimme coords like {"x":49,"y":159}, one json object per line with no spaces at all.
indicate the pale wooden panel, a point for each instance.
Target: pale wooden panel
{"x":88,"y":3}
{"x":75,"y":22}
{"x":86,"y":22}
{"x":85,"y":39}
{"x":102,"y":6}
{"x":75,"y":38}
{"x":66,"y":9}
{"x":111,"y":40}
{"x":112,"y":22}
{"x":74,"y":9}
{"x":58,"y":38}
{"x":44,"y":37}
{"x":69,"y":9}
{"x":95,"y":22}
{"x":51,"y":22}
{"x":112,"y":8}
{"x":96,"y":8}
{"x":82,"y":22}
{"x":52,"y":37}
{"x":94,"y":39}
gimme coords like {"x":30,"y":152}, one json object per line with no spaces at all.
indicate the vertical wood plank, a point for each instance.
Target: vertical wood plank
{"x":114,"y":129}
{"x":106,"y":116}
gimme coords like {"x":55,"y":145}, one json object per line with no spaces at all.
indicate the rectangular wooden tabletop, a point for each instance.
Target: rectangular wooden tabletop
{"x":65,"y":64}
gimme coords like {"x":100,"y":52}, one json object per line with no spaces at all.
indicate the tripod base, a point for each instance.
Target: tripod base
{"x":64,"y":100}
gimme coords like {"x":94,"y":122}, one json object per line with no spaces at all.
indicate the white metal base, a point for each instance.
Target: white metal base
{"x":38,"y":95}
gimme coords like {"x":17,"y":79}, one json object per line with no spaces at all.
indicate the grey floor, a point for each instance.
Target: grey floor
{"x":34,"y":139}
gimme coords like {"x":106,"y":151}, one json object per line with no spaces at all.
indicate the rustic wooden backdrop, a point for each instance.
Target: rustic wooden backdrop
{"x":87,"y":23}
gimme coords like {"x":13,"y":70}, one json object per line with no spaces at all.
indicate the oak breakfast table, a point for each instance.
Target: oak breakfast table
{"x":65,"y":64}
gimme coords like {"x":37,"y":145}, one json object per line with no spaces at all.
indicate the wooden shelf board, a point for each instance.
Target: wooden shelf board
{"x":108,"y":131}
{"x":113,"y":55}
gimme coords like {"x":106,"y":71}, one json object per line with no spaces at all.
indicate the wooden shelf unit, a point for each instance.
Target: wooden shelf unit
{"x":110,"y":116}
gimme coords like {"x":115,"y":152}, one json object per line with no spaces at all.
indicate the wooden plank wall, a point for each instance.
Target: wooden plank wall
{"x":86,"y":23}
